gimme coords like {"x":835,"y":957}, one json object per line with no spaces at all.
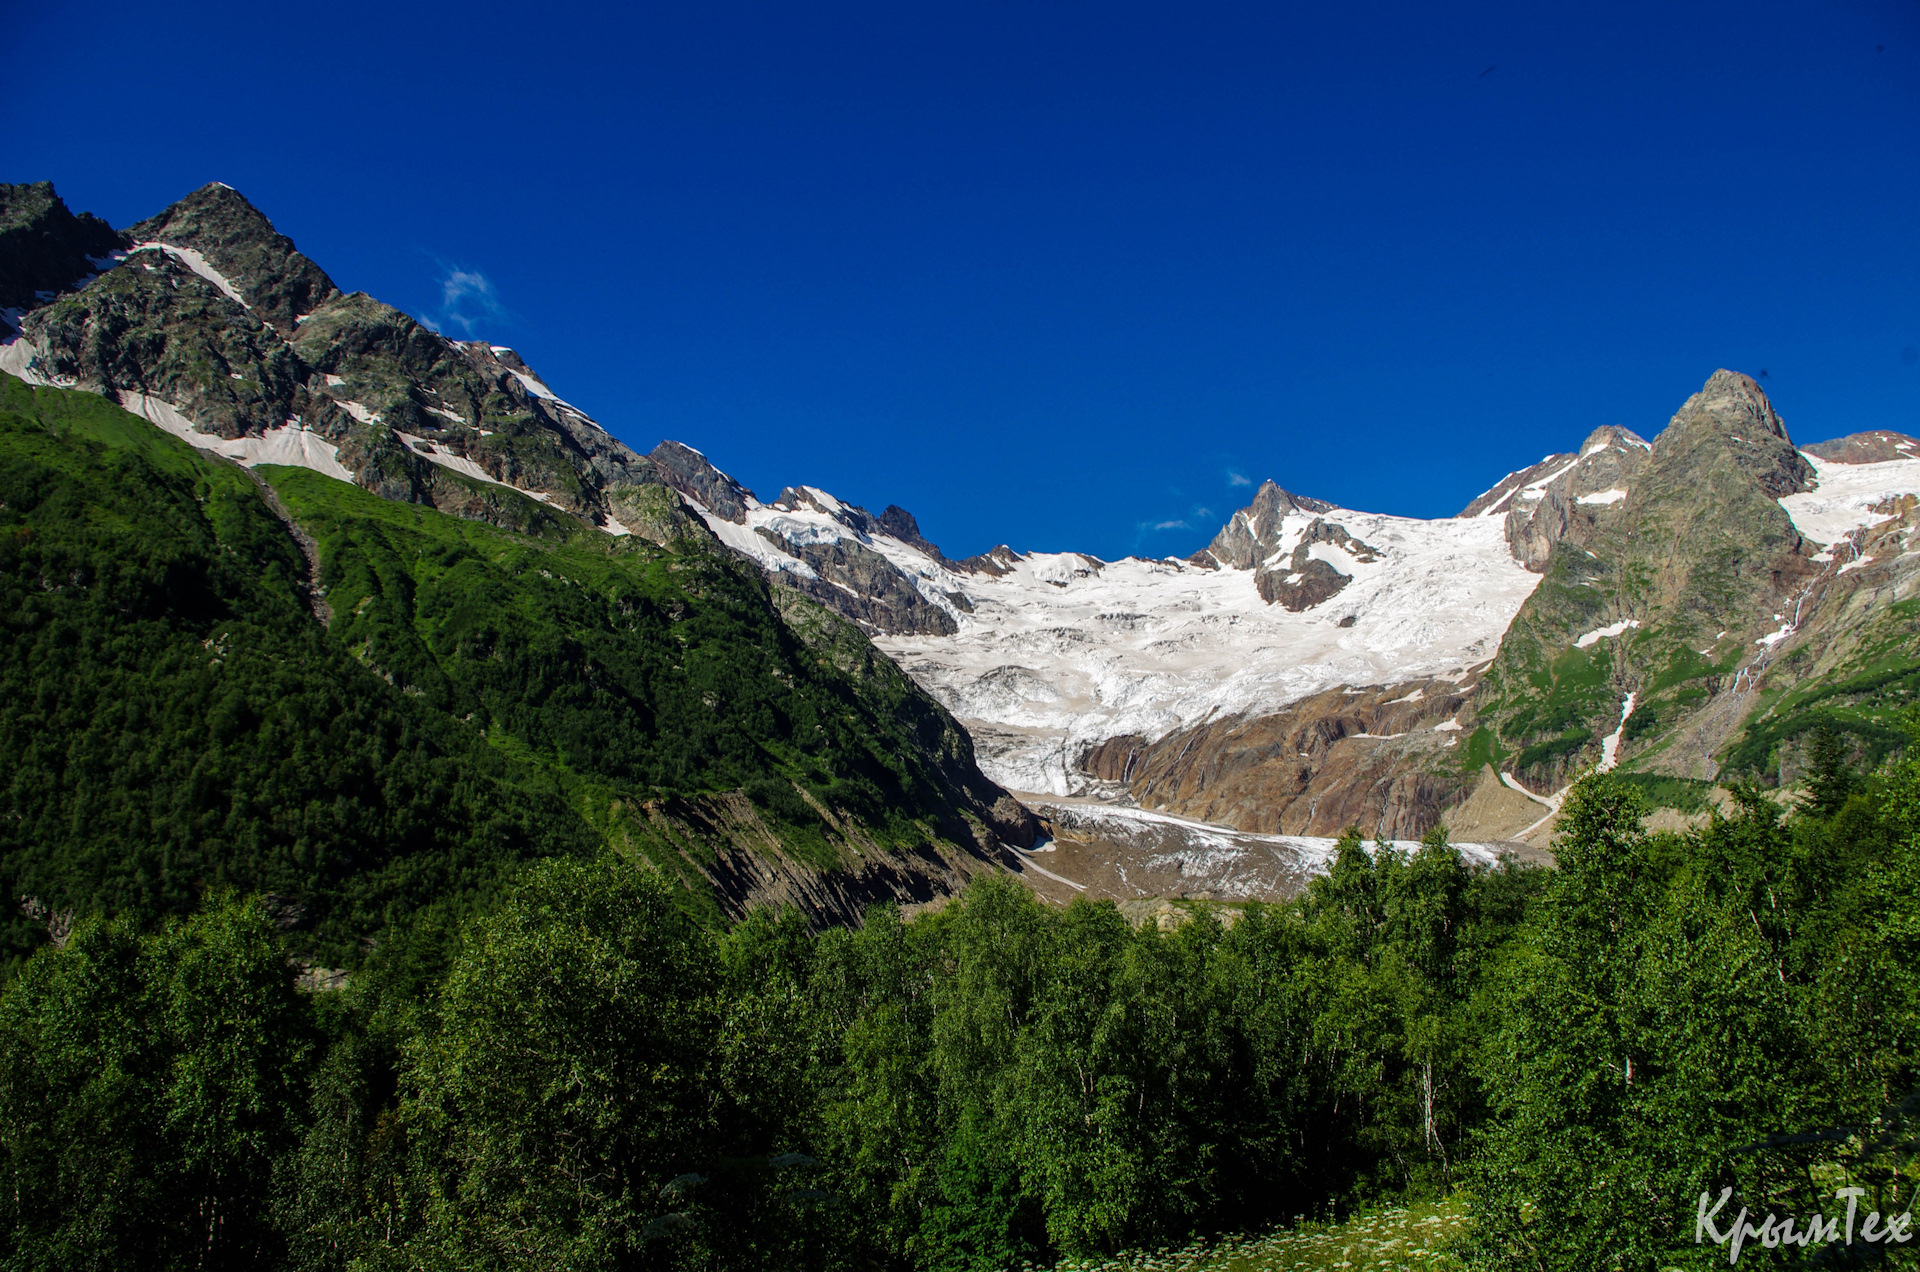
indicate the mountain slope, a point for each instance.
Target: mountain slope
{"x":175,"y":717}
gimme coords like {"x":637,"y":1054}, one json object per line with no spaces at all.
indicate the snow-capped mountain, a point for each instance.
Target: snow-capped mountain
{"x":1672,"y":606}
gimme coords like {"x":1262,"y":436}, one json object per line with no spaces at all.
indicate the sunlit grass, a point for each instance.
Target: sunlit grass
{"x":1415,"y":1238}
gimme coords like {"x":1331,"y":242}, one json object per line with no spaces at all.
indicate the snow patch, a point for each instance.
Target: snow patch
{"x":1603,"y":497}
{"x":1602,"y":633}
{"x":198,"y":264}
{"x":292,"y":443}
{"x":17,"y":355}
{"x":1610,"y":745}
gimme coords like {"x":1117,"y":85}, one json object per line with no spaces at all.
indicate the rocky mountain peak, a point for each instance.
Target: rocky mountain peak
{"x":1253,"y":533}
{"x":1731,"y":416}
{"x":899,"y":523}
{"x":275,"y":281}
{"x":688,"y":471}
{"x":994,"y":562}
{"x":44,"y":248}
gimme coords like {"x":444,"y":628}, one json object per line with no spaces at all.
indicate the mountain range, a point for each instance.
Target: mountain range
{"x":1687,"y":610}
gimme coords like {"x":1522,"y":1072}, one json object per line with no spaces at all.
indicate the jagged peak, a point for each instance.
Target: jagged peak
{"x":1609,"y":436}
{"x":1247,"y":537}
{"x":900,"y":523}
{"x":994,"y":562}
{"x":1734,"y":400}
{"x":272,"y":277}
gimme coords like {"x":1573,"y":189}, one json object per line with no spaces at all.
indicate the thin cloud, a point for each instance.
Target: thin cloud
{"x":467,"y":300}
{"x":1237,"y":479}
{"x":1171,"y":525}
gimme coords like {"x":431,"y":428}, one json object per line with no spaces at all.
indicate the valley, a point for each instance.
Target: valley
{"x":1685,"y":609}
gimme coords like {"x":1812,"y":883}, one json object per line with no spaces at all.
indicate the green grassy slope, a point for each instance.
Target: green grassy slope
{"x":173,"y":718}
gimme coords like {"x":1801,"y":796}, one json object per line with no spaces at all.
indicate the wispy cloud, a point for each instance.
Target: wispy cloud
{"x":1238,"y":479}
{"x":467,"y":299}
{"x":1171,"y":525}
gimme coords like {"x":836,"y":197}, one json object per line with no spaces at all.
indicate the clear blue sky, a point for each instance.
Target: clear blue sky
{"x":1062,"y":274}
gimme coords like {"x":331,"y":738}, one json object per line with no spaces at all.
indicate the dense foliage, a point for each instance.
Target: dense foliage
{"x":602,"y":1082}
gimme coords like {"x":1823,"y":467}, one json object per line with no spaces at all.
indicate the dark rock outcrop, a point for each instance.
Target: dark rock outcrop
{"x":1253,"y":534}
{"x":278,"y":283}
{"x":1371,"y":758}
{"x":687,"y":471}
{"x":45,"y":250}
{"x":861,"y":584}
{"x":1591,"y":487}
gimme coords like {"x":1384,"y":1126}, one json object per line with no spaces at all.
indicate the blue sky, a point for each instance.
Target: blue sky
{"x":1062,"y":275}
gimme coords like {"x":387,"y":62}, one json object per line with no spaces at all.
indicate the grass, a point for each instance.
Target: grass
{"x":1416,"y":1238}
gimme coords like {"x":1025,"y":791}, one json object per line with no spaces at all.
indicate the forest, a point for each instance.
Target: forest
{"x":603,"y":1080}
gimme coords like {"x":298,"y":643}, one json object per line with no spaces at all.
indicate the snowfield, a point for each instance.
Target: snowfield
{"x":1064,"y":651}
{"x":1845,"y":495}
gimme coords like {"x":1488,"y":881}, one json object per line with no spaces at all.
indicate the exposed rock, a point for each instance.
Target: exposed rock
{"x":1877,"y":446}
{"x":1370,"y":758}
{"x":45,"y":250}
{"x":1115,"y":759}
{"x":153,"y":326}
{"x":277,"y":282}
{"x":1307,"y":580}
{"x":1494,"y":811}
{"x":1252,"y":535}
{"x":864,"y":586}
{"x":1591,"y":487}
{"x":899,"y":523}
{"x":655,"y":513}
{"x":725,"y":841}
{"x":1496,"y":501}
{"x":687,"y":471}
{"x":994,"y":562}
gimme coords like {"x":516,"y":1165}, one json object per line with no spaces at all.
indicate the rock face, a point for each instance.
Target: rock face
{"x":1573,"y":499}
{"x":1658,"y":593}
{"x":1380,"y":759}
{"x":1253,"y":534}
{"x":1306,"y":579}
{"x":687,"y":471}
{"x":278,"y":283}
{"x":214,"y":321}
{"x":45,"y":250}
